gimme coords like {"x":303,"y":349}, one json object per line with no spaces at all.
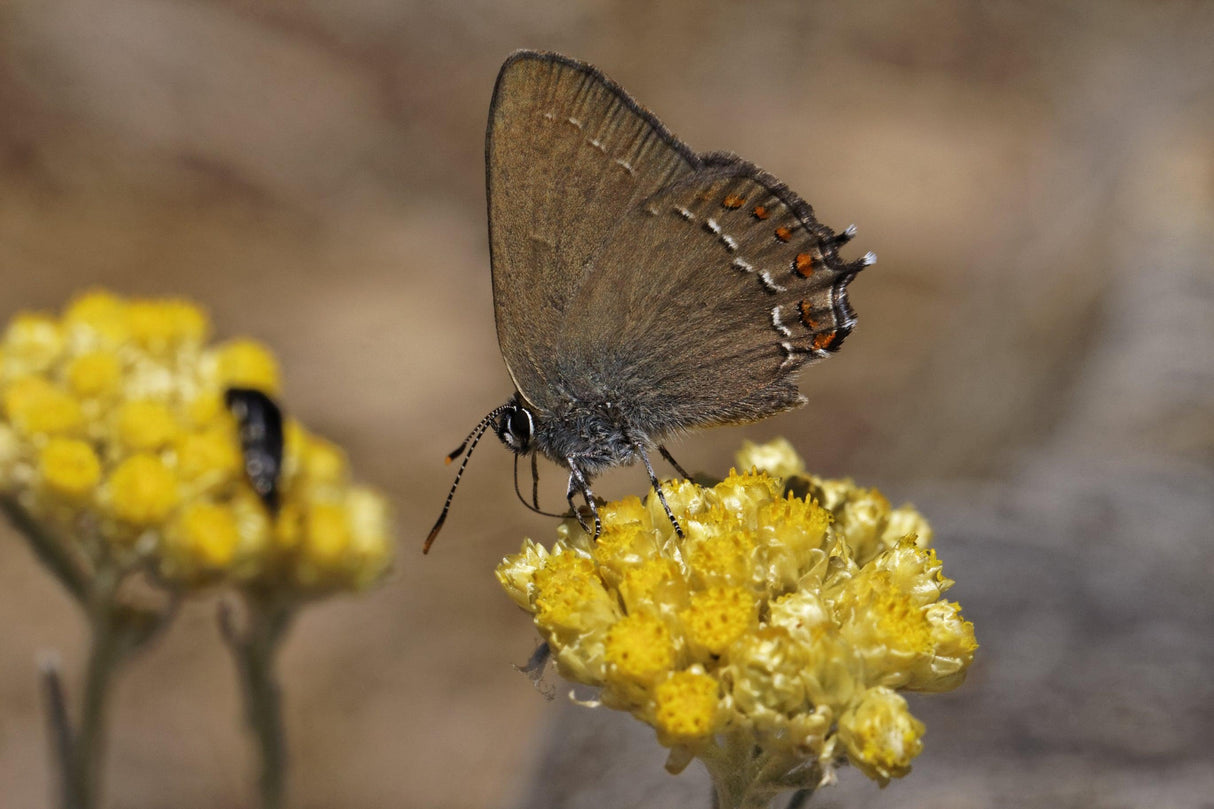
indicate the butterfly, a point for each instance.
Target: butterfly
{"x":640,"y":289}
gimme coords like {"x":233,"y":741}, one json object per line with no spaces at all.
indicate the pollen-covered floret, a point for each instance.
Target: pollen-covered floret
{"x":779,"y":627}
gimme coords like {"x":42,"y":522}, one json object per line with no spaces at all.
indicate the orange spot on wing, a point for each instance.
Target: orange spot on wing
{"x":733,"y":202}
{"x":807,"y":317}
{"x":783,"y":234}
{"x":823,"y":340}
{"x":760,"y":212}
{"x":803,"y":264}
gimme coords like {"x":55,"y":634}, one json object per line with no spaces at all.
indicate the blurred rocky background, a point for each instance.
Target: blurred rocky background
{"x":1033,"y":365}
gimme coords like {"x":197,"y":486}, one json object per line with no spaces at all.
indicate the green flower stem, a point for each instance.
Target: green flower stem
{"x":117,"y":632}
{"x":256,"y":651}
{"x":105,"y":654}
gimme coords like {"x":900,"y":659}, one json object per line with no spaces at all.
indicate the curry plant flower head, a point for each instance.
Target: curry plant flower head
{"x":115,"y":440}
{"x":773,"y":642}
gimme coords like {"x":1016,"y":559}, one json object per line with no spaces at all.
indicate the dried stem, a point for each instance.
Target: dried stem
{"x":745,"y":777}
{"x":116,"y":631}
{"x":107,"y":650}
{"x":255,"y":650}
{"x":59,"y":725}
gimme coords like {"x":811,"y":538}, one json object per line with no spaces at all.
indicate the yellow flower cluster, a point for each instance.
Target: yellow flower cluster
{"x":773,"y":639}
{"x":115,"y":440}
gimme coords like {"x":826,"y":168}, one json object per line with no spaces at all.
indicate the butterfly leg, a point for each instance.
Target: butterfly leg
{"x":657,"y":487}
{"x":579,"y":483}
{"x":670,"y":460}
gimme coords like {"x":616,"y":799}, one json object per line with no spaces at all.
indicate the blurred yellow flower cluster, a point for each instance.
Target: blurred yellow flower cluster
{"x":773,"y":640}
{"x":116,"y":442}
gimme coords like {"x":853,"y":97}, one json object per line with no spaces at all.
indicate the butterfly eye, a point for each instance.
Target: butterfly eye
{"x":515,"y":428}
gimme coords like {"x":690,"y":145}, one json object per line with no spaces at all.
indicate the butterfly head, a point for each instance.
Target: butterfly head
{"x":515,"y":426}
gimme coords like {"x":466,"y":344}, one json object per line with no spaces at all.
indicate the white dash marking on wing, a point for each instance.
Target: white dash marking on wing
{"x":769,"y":284}
{"x":777,"y":322}
{"x":789,"y":354}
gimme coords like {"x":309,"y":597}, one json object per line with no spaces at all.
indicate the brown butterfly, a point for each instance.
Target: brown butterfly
{"x":640,"y":289}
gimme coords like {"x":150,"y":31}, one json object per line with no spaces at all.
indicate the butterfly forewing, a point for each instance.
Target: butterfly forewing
{"x":568,"y":153}
{"x":706,"y":298}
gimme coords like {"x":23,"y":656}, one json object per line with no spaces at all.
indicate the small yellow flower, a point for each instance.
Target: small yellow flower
{"x":686,"y":707}
{"x":625,"y":546}
{"x":765,"y":676}
{"x":160,"y":326}
{"x":97,"y":319}
{"x":716,"y":618}
{"x":370,"y":537}
{"x":768,"y":640}
{"x":206,"y":409}
{"x":777,"y":458}
{"x":655,"y":585}
{"x":248,"y":364}
{"x":638,"y":649}
{"x":326,"y":535}
{"x":211,"y":458}
{"x":719,"y":555}
{"x":881,"y":736}
{"x":570,"y":597}
{"x":321,"y":464}
{"x":94,"y":374}
{"x":32,"y":344}
{"x":36,"y":407}
{"x":204,"y":537}
{"x":336,"y":544}
{"x":69,"y":468}
{"x":142,"y":490}
{"x":953,"y":648}
{"x":145,"y":426}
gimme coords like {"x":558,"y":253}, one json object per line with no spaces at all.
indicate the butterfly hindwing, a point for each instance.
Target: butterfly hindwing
{"x":568,"y":153}
{"x":706,"y":298}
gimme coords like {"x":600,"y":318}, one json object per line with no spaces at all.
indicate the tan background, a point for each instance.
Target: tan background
{"x":1032,"y":364}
